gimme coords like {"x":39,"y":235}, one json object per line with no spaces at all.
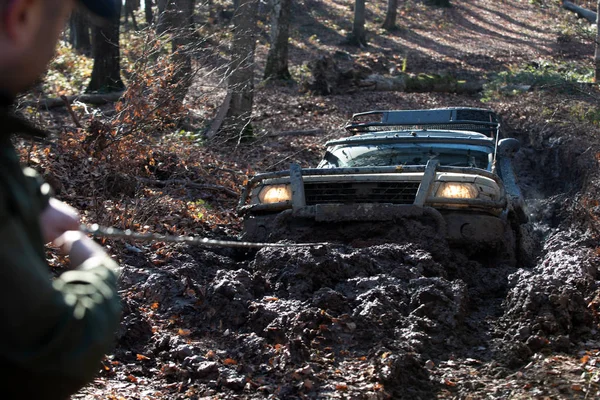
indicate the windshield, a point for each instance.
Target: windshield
{"x":381,"y":155}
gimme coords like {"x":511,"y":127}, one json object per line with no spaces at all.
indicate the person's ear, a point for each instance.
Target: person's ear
{"x":22,"y":20}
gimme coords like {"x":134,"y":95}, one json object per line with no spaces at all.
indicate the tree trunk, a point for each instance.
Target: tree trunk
{"x":164,"y":11}
{"x":182,"y":20}
{"x":80,"y":32}
{"x":358,"y":37}
{"x":106,"y":74}
{"x":240,"y":83}
{"x":277,"y":59}
{"x":130,"y":7}
{"x":597,"y":53}
{"x":390,"y":17}
{"x":148,"y":11}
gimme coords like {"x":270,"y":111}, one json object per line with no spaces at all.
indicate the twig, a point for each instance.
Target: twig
{"x":188,"y":183}
{"x":95,"y":99}
{"x":71,"y":112}
{"x":221,"y":114}
{"x":284,"y":160}
{"x":307,"y":132}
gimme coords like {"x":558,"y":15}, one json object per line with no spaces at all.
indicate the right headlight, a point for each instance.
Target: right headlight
{"x":457,"y":190}
{"x":275,"y":194}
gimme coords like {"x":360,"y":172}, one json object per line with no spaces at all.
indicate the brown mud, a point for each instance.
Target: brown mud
{"x":406,"y":317}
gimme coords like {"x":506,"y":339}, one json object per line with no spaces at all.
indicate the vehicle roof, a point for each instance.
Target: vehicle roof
{"x":415,"y":136}
{"x":469,"y":119}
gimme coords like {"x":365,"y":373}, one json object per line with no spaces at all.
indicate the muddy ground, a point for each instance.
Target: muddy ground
{"x":412,"y":319}
{"x":407,"y":317}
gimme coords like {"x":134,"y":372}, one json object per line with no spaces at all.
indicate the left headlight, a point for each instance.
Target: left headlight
{"x":275,"y":194}
{"x":457,"y":190}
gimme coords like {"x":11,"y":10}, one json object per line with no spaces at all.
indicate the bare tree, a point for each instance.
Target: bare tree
{"x":390,"y":15}
{"x":597,"y":54}
{"x":277,"y":59}
{"x":130,"y":7}
{"x":148,"y":11}
{"x":176,"y":19}
{"x":240,"y":83}
{"x":164,"y":11}
{"x":79,"y":32}
{"x":183,"y":38}
{"x":106,"y":74}
{"x":358,"y":37}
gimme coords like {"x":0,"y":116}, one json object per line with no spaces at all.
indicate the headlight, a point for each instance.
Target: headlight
{"x":455,"y":190}
{"x":275,"y":194}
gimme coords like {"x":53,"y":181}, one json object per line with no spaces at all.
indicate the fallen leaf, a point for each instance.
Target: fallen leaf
{"x":184,"y":332}
{"x":229,"y":361}
{"x":342,"y":387}
{"x":141,"y":357}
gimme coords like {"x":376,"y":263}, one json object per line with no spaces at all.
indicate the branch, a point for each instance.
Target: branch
{"x":71,"y":112}
{"x":94,"y":99}
{"x":185,"y":182}
{"x":308,"y":132}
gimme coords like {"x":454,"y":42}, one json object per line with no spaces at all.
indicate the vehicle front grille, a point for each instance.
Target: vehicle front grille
{"x":360,"y":192}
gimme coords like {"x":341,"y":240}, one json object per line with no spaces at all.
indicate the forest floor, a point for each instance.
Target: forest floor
{"x":408,"y":318}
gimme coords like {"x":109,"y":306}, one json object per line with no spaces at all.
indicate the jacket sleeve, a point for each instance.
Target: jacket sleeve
{"x":59,"y":328}
{"x":42,"y":190}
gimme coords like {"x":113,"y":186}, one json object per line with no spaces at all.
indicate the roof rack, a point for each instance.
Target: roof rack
{"x":471,"y":119}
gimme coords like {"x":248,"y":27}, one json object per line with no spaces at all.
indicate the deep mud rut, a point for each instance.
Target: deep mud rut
{"x":405,"y":318}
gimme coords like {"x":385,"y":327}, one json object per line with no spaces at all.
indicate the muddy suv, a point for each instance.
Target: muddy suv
{"x":446,"y":165}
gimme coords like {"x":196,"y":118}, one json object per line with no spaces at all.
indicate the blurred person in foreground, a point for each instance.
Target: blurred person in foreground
{"x":54,"y":332}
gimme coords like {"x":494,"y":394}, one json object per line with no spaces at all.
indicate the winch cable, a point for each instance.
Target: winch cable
{"x":113,"y":233}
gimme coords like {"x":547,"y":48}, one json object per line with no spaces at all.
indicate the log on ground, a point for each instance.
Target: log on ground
{"x":93,"y":99}
{"x":421,"y":83}
{"x":580,"y":11}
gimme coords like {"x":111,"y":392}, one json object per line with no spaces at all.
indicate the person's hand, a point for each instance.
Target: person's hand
{"x":58,"y":218}
{"x":79,"y":247}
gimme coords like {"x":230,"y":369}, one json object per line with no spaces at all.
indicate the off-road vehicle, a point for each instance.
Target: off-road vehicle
{"x":448,"y":165}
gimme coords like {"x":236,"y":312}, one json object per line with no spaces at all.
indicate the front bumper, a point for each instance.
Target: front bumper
{"x":455,"y":226}
{"x":460,"y":220}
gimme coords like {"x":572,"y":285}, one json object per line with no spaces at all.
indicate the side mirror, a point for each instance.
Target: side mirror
{"x":508,"y":147}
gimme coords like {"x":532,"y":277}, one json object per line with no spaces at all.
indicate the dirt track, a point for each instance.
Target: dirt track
{"x":408,"y":318}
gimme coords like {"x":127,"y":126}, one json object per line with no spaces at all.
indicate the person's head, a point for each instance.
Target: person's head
{"x":29,"y":31}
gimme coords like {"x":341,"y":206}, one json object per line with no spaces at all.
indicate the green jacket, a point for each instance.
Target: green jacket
{"x":54,"y":332}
